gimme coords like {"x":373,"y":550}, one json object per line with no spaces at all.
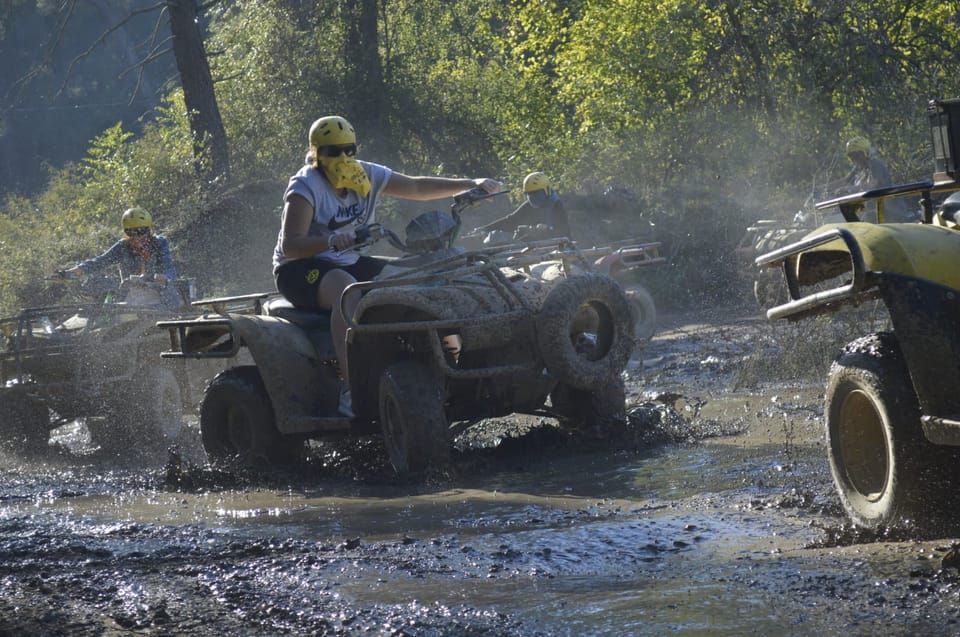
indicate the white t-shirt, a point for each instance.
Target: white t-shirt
{"x":331,"y":212}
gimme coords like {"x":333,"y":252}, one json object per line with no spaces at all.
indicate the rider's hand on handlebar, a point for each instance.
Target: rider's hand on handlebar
{"x":491,"y":186}
{"x":340,"y":241}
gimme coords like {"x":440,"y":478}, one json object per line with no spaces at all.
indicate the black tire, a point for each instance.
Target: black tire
{"x":26,"y":422}
{"x":237,"y":422}
{"x":557,"y":330}
{"x":645,"y":314}
{"x":412,"y":417}
{"x":885,"y":470}
{"x":600,"y":413}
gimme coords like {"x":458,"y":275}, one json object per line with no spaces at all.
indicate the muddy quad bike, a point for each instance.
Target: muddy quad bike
{"x":892,"y":407}
{"x":442,"y":339}
{"x":95,"y":357}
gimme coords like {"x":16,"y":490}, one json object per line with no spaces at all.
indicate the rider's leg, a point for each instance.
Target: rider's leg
{"x":328,"y":298}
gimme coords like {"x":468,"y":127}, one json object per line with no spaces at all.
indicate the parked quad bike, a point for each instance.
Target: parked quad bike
{"x":535,"y":330}
{"x":892,"y":406}
{"x":95,"y":357}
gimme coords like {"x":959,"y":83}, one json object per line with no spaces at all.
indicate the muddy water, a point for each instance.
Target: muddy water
{"x":718,"y":528}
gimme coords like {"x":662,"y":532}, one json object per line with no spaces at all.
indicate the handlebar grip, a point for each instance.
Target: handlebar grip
{"x":362,"y":234}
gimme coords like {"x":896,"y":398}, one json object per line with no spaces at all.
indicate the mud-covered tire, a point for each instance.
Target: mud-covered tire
{"x":26,"y":424}
{"x":645,"y":314}
{"x":885,"y":470}
{"x":600,"y":412}
{"x":237,"y":422}
{"x":556,"y":330}
{"x":416,"y":433}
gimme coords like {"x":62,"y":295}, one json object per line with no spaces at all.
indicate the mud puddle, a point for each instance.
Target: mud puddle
{"x":721,"y":519}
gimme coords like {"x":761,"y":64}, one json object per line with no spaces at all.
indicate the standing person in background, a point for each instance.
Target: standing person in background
{"x":324,"y":203}
{"x":540,"y":216}
{"x":870,"y":172}
{"x":139,"y":256}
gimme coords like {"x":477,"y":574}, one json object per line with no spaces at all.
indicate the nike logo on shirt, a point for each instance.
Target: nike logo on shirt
{"x":335,"y":225}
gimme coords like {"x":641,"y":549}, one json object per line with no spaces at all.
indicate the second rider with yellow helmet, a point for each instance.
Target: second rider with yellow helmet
{"x":324,"y":203}
{"x":139,"y":255}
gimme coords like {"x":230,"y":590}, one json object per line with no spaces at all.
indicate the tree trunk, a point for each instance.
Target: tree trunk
{"x":364,"y":73}
{"x":210,"y":150}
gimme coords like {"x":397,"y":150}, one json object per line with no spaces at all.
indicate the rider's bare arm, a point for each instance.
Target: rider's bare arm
{"x":426,"y":187}
{"x":296,"y":240}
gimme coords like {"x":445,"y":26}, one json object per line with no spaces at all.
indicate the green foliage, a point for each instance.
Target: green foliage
{"x":712,"y":113}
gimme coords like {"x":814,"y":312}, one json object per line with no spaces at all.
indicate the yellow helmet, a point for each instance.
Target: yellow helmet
{"x":858,"y":145}
{"x":136,"y":218}
{"x":331,"y":130}
{"x":536,"y":181}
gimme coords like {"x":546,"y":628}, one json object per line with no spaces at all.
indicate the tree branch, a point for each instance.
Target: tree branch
{"x":103,"y":36}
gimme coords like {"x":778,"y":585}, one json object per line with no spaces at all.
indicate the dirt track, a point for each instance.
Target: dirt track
{"x":720,"y":518}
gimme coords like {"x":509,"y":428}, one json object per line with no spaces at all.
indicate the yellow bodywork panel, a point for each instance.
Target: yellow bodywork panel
{"x":916,"y":250}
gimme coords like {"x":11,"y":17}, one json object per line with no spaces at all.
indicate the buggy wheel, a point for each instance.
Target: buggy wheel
{"x":645,"y":314}
{"x":600,"y":412}
{"x":885,"y":470}
{"x":237,"y":422}
{"x":587,"y":355}
{"x":415,"y":428}
{"x":27,"y":423}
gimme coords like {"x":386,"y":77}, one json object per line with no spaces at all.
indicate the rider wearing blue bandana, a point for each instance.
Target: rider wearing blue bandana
{"x":541,"y":215}
{"x":140,"y":254}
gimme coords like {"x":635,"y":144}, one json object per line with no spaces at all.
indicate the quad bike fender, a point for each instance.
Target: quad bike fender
{"x":300,"y":384}
{"x":479,"y":313}
{"x":409,"y":321}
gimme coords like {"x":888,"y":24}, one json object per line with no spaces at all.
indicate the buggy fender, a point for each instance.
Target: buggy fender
{"x":918,"y":251}
{"x":300,"y":384}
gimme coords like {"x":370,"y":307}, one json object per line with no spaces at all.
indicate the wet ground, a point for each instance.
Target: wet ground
{"x":718,"y":517}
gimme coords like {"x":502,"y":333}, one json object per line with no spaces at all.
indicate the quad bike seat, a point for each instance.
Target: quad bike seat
{"x":307,"y":318}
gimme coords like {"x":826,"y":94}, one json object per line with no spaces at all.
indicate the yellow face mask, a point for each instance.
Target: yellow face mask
{"x":345,"y":172}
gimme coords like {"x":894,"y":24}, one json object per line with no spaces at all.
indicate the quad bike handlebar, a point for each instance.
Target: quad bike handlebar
{"x":474,"y":196}
{"x":445,"y":225}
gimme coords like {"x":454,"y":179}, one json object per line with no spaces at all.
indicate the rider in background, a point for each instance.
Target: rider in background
{"x":540,"y":216}
{"x":870,"y":172}
{"x":139,"y":256}
{"x":324,"y":204}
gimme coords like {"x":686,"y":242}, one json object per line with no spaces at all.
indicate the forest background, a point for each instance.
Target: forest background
{"x":680,"y":121}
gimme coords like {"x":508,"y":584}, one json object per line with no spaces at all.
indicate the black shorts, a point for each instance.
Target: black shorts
{"x":298,"y":280}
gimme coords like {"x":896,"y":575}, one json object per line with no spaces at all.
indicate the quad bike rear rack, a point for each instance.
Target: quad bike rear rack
{"x":203,"y":336}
